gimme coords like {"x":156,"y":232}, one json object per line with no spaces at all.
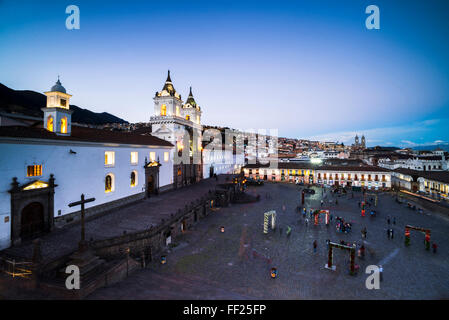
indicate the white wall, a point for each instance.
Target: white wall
{"x":224,"y":162}
{"x":83,"y":172}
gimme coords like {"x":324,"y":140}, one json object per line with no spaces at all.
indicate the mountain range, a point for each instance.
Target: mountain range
{"x":443,"y":146}
{"x":29,"y":103}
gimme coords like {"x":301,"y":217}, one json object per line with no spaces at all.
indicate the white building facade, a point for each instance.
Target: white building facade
{"x":42,"y":170}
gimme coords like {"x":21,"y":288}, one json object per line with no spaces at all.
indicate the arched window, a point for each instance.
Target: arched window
{"x":50,"y":123}
{"x":64,"y":125}
{"x":133,"y":178}
{"x":188,"y":117}
{"x":163,"y":110}
{"x":109,"y":183}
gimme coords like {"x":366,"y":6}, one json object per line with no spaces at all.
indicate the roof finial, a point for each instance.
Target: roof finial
{"x":168,"y":77}
{"x":190,"y":93}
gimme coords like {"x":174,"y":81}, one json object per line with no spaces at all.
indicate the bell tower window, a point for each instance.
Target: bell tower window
{"x":50,"y":123}
{"x":64,"y":125}
{"x":163,"y":110}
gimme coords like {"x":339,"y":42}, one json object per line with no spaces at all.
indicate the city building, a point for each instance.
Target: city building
{"x":364,"y":176}
{"x":435,"y":184}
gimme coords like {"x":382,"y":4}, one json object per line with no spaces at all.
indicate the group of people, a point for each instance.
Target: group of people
{"x":343,"y":226}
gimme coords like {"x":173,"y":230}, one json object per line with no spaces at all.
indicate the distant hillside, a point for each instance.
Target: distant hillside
{"x":30,"y":103}
{"x":444,"y":146}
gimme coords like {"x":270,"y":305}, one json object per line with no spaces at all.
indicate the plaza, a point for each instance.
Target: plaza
{"x":235,"y":264}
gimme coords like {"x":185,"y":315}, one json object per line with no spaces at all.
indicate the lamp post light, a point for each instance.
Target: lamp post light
{"x":222,"y":229}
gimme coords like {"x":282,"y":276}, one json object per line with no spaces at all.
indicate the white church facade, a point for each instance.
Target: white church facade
{"x":43,"y":169}
{"x":180,"y":124}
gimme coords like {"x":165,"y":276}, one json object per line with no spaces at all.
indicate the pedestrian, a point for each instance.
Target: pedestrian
{"x":331,"y":216}
{"x":362,"y":251}
{"x":392,"y":233}
{"x":381,"y":270}
{"x":388,"y":233}
{"x":328,"y":243}
{"x":321,"y":202}
{"x":364,"y":232}
{"x":388,"y":220}
{"x":394,"y":220}
{"x":434,"y":247}
{"x":314,"y":246}
{"x":336,"y":201}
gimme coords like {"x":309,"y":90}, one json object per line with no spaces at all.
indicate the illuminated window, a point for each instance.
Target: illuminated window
{"x":177,"y":111}
{"x":64,"y":125}
{"x":163,"y":110}
{"x":109,"y":183}
{"x":152,"y":156}
{"x":134,"y":157}
{"x":179,"y":171}
{"x":166,"y":156}
{"x":34,"y":171}
{"x":109,"y":158}
{"x":50,"y":123}
{"x":133,"y":179}
{"x":187,"y":117}
{"x":198,"y":119}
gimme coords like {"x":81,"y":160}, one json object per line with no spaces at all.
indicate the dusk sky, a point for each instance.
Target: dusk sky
{"x":310,"y":69}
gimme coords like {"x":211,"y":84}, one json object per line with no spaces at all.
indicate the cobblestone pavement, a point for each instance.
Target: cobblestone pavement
{"x":134,"y":217}
{"x":208,"y":264}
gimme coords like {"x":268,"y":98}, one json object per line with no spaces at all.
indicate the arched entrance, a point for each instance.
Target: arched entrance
{"x":32,"y":220}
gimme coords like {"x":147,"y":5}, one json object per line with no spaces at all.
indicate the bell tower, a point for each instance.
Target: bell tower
{"x":57,"y":114}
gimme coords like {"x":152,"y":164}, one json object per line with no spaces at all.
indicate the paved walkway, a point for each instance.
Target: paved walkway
{"x":209,"y":264}
{"x":134,"y":217}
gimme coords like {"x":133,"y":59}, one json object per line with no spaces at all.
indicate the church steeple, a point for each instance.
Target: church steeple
{"x":191,"y":103}
{"x":168,"y":89}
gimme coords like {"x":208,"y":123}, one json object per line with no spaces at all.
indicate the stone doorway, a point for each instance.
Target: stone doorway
{"x":32,"y":221}
{"x":32,"y":209}
{"x":150,"y":186}
{"x":152,"y":178}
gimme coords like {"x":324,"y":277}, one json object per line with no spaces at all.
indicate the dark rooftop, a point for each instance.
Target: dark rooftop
{"x":83,"y":134}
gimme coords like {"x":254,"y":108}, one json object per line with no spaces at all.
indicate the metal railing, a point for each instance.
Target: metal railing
{"x":22,"y":269}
